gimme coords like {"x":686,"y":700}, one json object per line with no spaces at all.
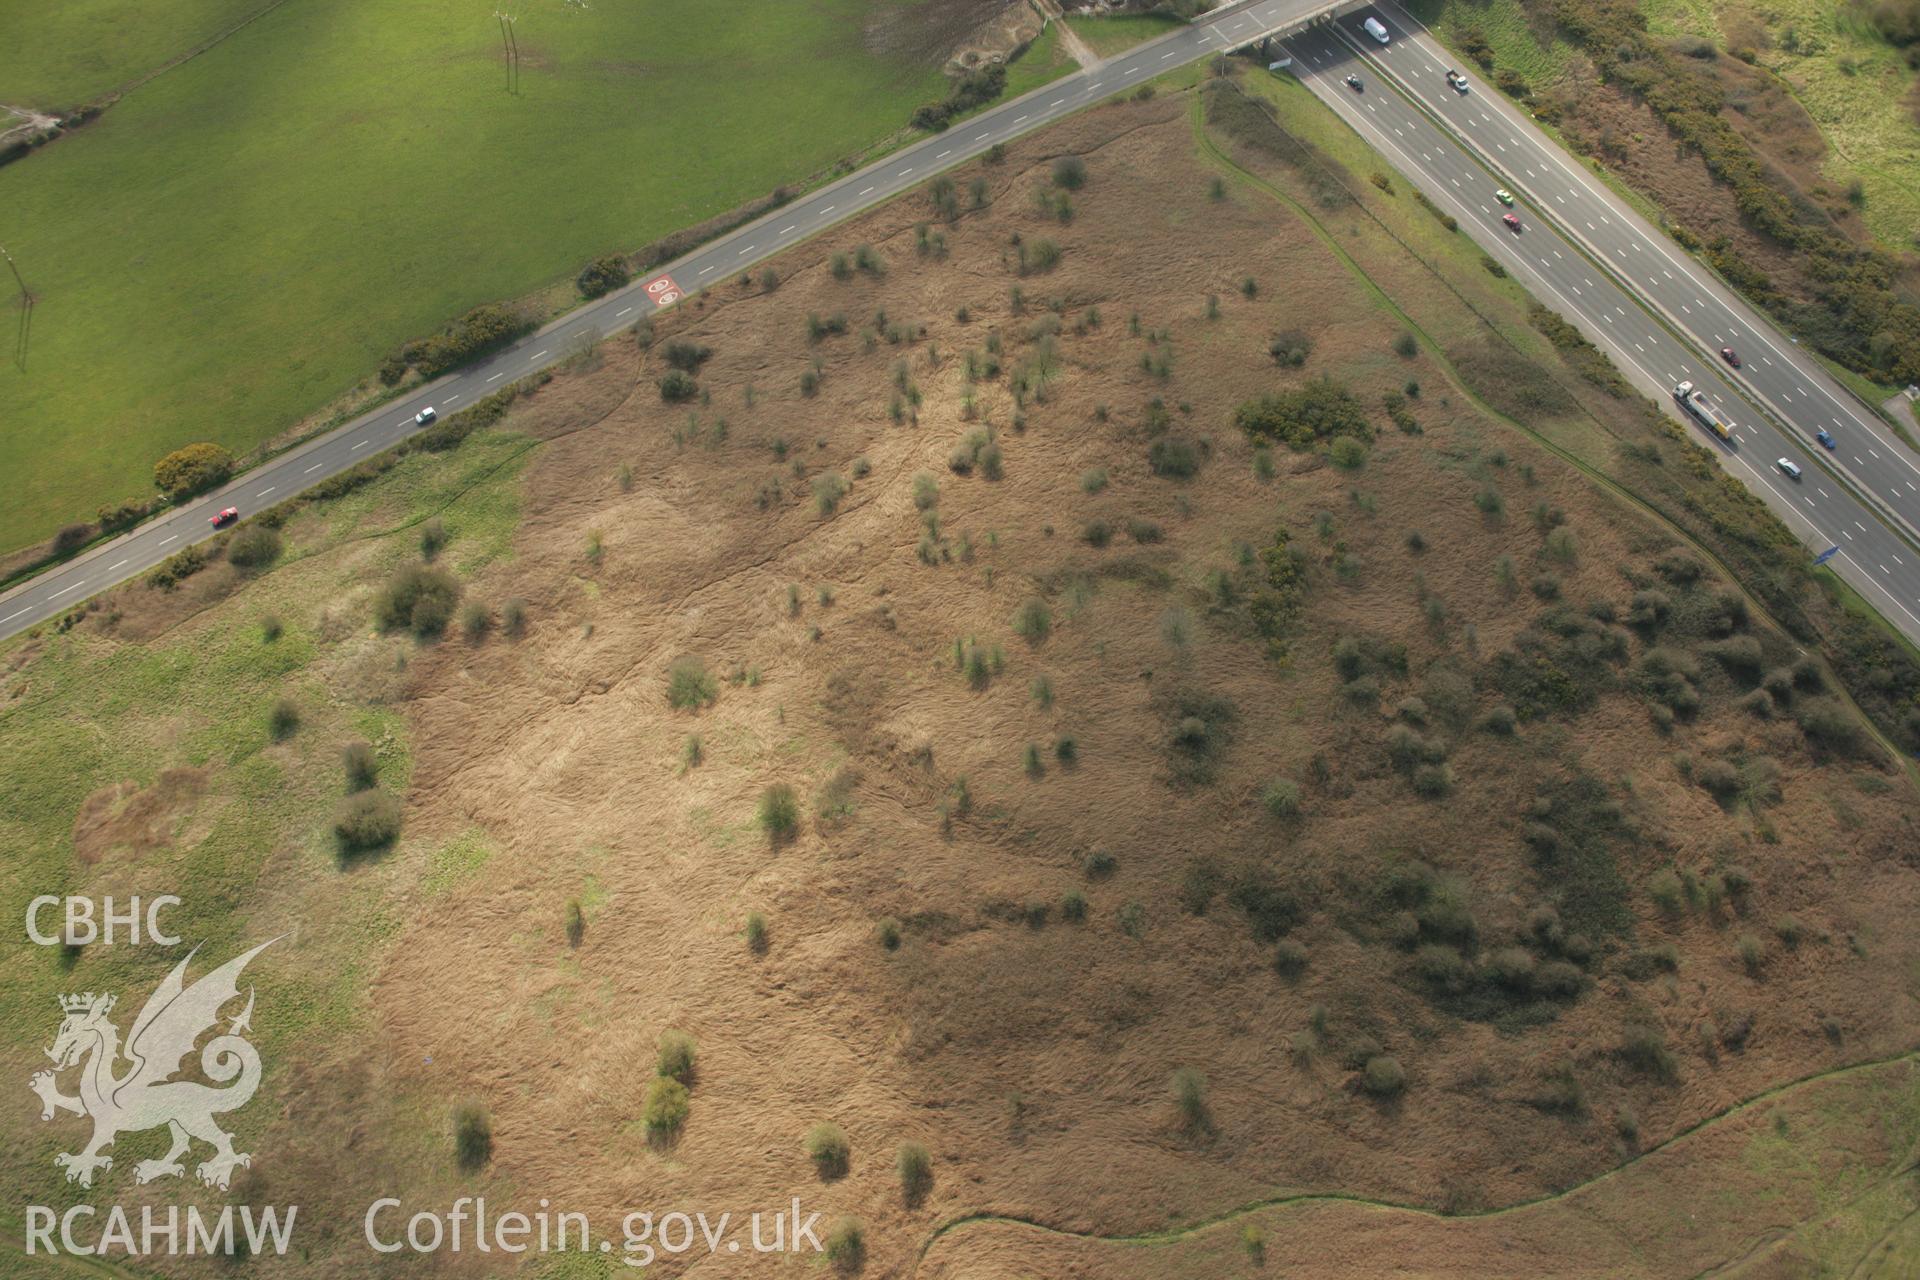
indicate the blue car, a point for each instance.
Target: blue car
{"x":1825,"y":437}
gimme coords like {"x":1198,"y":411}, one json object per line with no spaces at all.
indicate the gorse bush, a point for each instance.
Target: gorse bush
{"x":846,"y":1242}
{"x":690,"y":686}
{"x":664,"y":1108}
{"x":283,"y":718}
{"x":1321,"y":410}
{"x":419,"y":598}
{"x":1290,"y":348}
{"x":366,"y":820}
{"x":472,"y":1136}
{"x":1383,"y":1076}
{"x":915,"y":1167}
{"x":778,"y":812}
{"x":826,"y":1145}
{"x":1190,"y":1097}
{"x":675,"y":1056}
{"x":1033,"y":620}
{"x":359,"y":764}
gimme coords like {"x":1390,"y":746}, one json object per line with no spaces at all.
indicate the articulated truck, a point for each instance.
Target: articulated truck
{"x":1705,"y":414}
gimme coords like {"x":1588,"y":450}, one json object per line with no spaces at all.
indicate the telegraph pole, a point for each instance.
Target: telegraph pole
{"x":510,"y":47}
{"x":26,"y":312}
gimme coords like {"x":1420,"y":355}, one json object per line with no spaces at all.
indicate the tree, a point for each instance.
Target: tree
{"x":192,"y":469}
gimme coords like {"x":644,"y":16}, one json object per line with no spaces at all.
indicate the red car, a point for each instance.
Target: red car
{"x":1731,"y":356}
{"x":225,"y":518}
{"x":1511,"y":221}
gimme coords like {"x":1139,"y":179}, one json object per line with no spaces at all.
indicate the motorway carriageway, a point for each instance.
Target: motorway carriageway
{"x":1820,"y":509}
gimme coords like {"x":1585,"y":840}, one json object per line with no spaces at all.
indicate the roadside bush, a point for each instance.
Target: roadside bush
{"x":472,"y":1136}
{"x":176,"y":568}
{"x":675,"y":1057}
{"x":192,"y":469}
{"x":826,"y":1146}
{"x":690,"y":685}
{"x":677,"y":386}
{"x":756,"y":933}
{"x":664,"y":1109}
{"x":483,"y":329}
{"x":253,"y":547}
{"x":974,"y":89}
{"x":475,"y":619}
{"x":1070,"y":173}
{"x":367,"y":820}
{"x":433,"y":537}
{"x":419,"y":598}
{"x":603,"y":275}
{"x":71,"y":538}
{"x":513,"y":617}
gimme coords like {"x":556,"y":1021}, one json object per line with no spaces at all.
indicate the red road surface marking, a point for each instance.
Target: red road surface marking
{"x":663,"y":291}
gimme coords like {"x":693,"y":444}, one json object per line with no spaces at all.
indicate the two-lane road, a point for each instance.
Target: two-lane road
{"x":1818,"y":508}
{"x":61,"y":588}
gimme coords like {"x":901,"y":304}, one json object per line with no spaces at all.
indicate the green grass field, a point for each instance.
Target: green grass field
{"x":60,"y":56}
{"x":243,"y":238}
{"x":1043,"y":62}
{"x":1120,"y":32}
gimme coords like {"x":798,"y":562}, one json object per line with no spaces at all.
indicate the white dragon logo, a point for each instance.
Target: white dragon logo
{"x":144,"y":1096}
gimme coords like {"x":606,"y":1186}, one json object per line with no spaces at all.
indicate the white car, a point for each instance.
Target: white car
{"x":1374,"y":29}
{"x":1788,"y":468}
{"x":425,"y":416}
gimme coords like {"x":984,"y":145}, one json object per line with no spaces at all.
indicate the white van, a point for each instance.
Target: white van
{"x":1375,"y":30}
